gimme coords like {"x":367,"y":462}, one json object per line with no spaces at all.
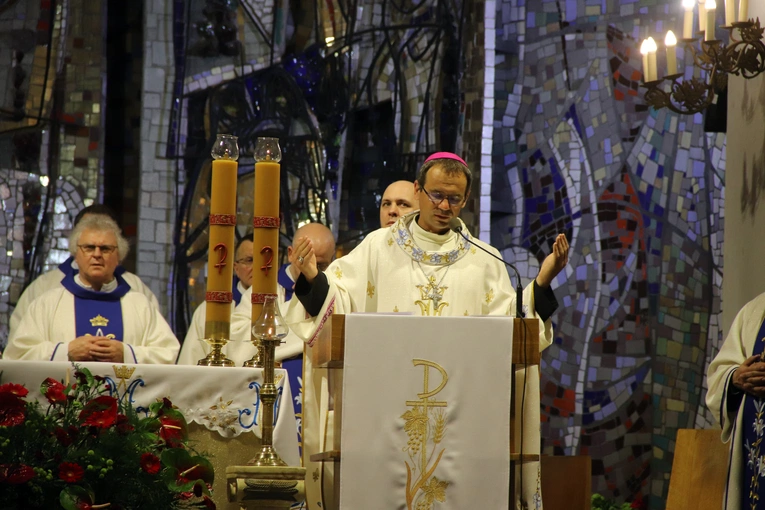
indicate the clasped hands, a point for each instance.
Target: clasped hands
{"x":96,"y":348}
{"x":750,"y":376}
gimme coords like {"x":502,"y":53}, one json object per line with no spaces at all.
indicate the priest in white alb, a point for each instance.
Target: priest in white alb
{"x":52,"y":279}
{"x":194,"y":346}
{"x":736,"y":397}
{"x":94,"y":315}
{"x":419,"y":265}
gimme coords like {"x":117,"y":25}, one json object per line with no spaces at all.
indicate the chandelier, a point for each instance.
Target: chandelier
{"x":743,"y":55}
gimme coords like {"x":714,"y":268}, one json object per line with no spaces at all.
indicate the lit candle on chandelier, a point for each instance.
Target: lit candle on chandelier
{"x":688,"y":5}
{"x":648,"y":50}
{"x":670,"y":41}
{"x":743,"y":10}
{"x":220,"y":258}
{"x":265,"y":222}
{"x":709,"y":30}
{"x":730,"y":12}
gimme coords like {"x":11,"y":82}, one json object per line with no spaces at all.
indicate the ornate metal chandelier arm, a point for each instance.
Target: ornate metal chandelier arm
{"x":685,"y":97}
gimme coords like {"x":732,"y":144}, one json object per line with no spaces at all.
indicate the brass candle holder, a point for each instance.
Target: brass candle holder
{"x":740,"y":57}
{"x":269,"y":329}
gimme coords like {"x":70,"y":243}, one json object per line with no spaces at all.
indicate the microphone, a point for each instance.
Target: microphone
{"x":456,"y":226}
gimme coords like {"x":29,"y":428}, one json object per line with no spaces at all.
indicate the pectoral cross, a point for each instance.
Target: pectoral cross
{"x":431,"y":293}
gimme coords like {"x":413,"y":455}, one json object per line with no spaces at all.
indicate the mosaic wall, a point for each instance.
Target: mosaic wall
{"x":51,"y":104}
{"x":640,"y":195}
{"x":373,"y":87}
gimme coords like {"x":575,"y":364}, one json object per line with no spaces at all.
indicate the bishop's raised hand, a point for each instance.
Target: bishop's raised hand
{"x":304,"y":258}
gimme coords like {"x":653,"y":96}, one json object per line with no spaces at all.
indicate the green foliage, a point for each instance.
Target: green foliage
{"x":88,"y":450}
{"x":601,"y":503}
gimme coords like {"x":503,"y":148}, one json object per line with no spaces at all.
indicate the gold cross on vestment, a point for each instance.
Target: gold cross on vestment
{"x":431,"y":292}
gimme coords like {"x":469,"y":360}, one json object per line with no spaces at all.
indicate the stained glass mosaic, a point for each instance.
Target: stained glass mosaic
{"x":639,"y":193}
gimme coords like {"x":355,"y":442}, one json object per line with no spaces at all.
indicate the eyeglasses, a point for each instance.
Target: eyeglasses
{"x":90,"y":249}
{"x":437,"y":197}
{"x":246,"y":261}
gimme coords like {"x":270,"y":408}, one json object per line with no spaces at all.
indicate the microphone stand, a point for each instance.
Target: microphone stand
{"x":456,"y":227}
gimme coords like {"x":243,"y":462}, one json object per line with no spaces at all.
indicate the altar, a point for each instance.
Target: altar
{"x":221,"y":405}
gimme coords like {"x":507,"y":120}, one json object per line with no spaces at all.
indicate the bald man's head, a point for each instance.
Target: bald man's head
{"x":397,"y":201}
{"x":323,"y":243}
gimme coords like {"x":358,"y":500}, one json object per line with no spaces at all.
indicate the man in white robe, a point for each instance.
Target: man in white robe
{"x":397,"y":201}
{"x":194,"y":347}
{"x":420,"y":266}
{"x":52,"y":279}
{"x":736,"y":397}
{"x":94,"y":315}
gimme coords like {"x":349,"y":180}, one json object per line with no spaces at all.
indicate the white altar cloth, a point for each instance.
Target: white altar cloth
{"x":225,"y":400}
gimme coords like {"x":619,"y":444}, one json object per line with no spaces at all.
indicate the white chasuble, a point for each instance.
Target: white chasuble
{"x":402,"y":269}
{"x":49,"y":325}
{"x":426,"y":413}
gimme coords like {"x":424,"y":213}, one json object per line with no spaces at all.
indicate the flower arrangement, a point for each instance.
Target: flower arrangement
{"x":90,"y":450}
{"x":601,"y":503}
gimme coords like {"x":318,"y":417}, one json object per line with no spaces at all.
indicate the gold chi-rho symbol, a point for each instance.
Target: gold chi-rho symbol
{"x":427,"y":393}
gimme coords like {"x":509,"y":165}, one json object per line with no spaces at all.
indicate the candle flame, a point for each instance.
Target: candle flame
{"x":644,"y":47}
{"x":710,"y":5}
{"x":670,"y":39}
{"x":651,"y":46}
{"x":689,"y":4}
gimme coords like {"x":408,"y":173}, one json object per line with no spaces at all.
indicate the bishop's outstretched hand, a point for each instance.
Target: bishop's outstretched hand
{"x":554,"y":262}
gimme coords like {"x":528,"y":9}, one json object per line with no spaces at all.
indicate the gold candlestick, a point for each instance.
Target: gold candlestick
{"x":266,"y":225}
{"x":269,"y":328}
{"x":220,"y":267}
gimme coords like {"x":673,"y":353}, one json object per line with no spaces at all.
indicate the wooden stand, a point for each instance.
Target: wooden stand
{"x":329,"y":352}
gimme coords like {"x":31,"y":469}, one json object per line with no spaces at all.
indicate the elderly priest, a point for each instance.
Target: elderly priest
{"x":94,"y":315}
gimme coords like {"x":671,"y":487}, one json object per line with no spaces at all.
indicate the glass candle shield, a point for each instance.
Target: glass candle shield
{"x":225,"y":147}
{"x":267,"y":149}
{"x":270,"y":325}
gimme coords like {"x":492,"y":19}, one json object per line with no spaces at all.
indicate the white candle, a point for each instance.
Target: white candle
{"x":688,"y":5}
{"x":702,"y":16}
{"x":644,"y":52}
{"x":652,"y":59}
{"x":743,"y":10}
{"x":709,"y":30}
{"x":670,"y":41}
{"x":730,"y":12}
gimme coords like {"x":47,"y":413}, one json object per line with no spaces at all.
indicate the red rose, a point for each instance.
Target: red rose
{"x":70,"y":472}
{"x":14,"y":389}
{"x":12,"y":410}
{"x":150,"y":463}
{"x":16,"y":473}
{"x":53,"y":391}
{"x":100,"y":412}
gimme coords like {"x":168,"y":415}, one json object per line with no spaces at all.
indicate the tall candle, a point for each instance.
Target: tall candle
{"x":670,"y":41}
{"x":730,"y":12}
{"x":265,"y":223}
{"x":702,"y":16}
{"x":709,"y":30}
{"x":688,"y":5}
{"x":652,"y":68}
{"x":743,"y":10}
{"x":644,"y":52}
{"x":220,"y":259}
